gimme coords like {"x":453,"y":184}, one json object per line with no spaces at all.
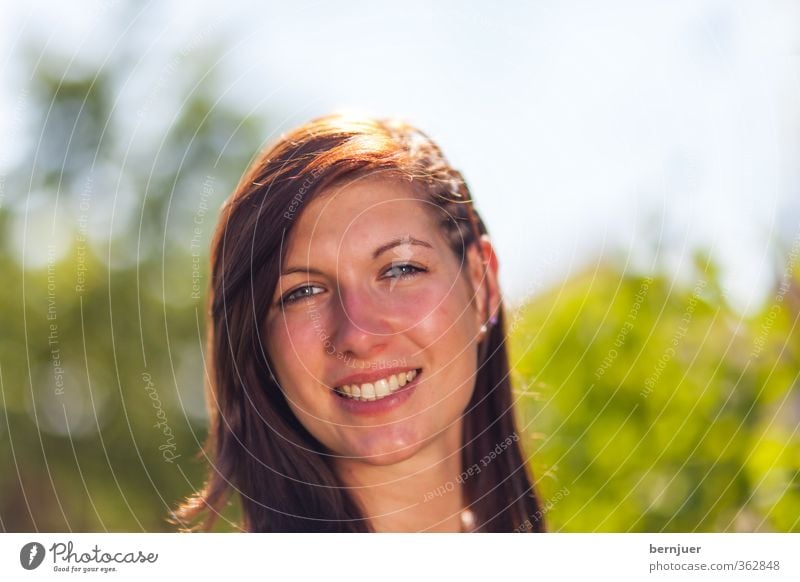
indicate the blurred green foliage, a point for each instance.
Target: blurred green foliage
{"x":653,"y":406}
{"x":101,"y":345}
{"x":104,"y":244}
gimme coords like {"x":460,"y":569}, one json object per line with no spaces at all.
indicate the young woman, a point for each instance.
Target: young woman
{"x":359,"y":379}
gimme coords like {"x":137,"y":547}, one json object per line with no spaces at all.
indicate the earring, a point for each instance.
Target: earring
{"x":484,"y":329}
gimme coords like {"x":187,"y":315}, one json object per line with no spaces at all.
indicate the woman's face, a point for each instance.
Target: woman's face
{"x":372,"y":295}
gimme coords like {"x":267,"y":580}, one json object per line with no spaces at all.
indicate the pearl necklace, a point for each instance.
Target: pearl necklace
{"x":467,"y":521}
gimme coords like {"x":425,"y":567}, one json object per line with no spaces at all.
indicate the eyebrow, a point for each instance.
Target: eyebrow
{"x":395,"y":242}
{"x":401,"y":240}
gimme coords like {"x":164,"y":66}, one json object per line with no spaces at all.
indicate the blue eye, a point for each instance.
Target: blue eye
{"x":300,"y":293}
{"x":404,"y":271}
{"x":399,"y":271}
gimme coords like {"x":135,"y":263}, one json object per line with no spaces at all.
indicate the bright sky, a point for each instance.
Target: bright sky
{"x":581,"y":127}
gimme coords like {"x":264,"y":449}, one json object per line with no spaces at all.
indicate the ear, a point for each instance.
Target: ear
{"x":483,"y":268}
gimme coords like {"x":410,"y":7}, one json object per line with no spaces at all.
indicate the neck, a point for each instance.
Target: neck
{"x":421,"y":493}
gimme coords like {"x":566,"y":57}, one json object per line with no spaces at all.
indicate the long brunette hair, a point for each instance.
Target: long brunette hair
{"x":256,"y":446}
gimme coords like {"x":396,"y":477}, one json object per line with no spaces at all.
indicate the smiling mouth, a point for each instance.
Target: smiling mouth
{"x":372,"y":391}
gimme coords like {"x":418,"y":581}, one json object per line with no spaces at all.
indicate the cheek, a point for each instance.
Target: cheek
{"x":445,"y":315}
{"x":293,"y":333}
{"x":296,"y":351}
{"x":447,"y":332}
{"x":300,"y":335}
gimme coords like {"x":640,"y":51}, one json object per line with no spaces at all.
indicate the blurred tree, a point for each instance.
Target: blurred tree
{"x":104,"y":248}
{"x":650,"y":408}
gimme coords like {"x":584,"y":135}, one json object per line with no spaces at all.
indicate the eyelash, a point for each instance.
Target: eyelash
{"x":288,"y":297}
{"x":417,"y":270}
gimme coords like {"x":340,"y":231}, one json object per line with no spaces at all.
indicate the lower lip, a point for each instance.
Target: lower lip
{"x":375,"y":407}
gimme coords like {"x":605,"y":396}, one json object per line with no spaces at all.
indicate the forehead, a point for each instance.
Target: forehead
{"x":362,"y":214}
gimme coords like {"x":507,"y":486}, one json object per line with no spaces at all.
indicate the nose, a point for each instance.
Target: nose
{"x":361,"y":327}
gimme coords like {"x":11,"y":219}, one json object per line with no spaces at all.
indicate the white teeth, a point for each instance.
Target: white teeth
{"x":368,"y":391}
{"x":379,"y":389}
{"x":382,"y":388}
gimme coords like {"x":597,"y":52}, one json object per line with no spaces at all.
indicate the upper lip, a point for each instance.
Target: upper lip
{"x":371,"y":376}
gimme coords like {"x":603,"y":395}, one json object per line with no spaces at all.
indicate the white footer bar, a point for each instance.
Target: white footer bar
{"x":406,"y":557}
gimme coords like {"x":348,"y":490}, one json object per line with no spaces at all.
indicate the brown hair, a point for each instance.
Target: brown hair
{"x":256,"y":445}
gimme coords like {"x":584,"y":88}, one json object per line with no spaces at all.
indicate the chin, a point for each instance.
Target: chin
{"x":386,"y":446}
